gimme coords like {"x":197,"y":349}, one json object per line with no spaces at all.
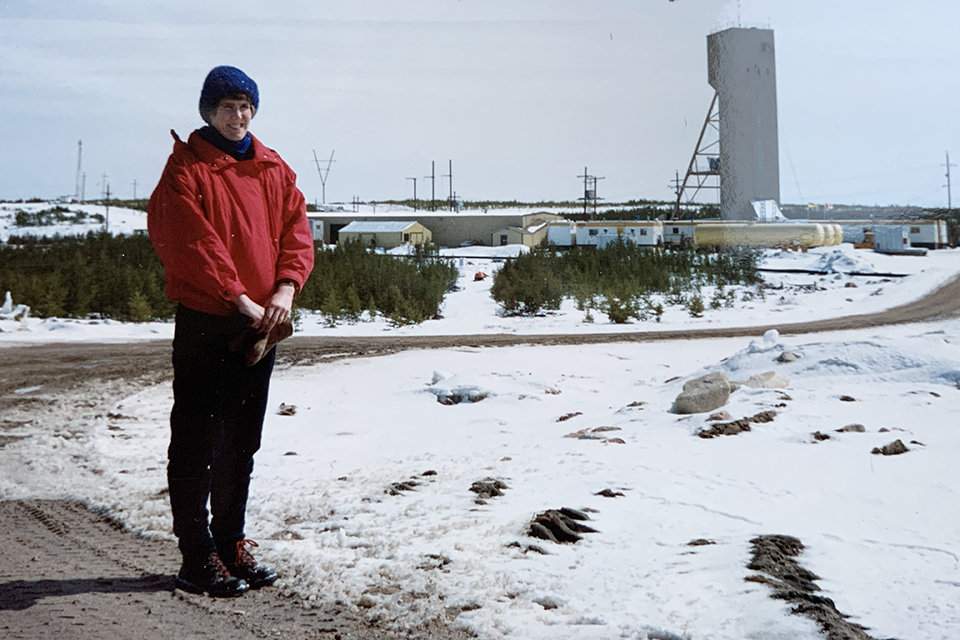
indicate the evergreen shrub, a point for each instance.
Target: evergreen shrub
{"x":117,"y":277}
{"x":619,"y":279}
{"x":349,"y":279}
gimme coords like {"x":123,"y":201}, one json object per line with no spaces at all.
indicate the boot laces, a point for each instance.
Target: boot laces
{"x":214,"y":560}
{"x":243,"y":557}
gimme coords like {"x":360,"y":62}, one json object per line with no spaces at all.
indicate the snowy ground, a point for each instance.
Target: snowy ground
{"x":122,"y":221}
{"x":882,"y":532}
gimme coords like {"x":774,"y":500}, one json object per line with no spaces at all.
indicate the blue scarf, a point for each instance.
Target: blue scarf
{"x":240,"y":150}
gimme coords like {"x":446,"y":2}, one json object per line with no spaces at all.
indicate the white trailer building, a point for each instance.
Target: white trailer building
{"x":562,"y":233}
{"x":599,"y":234}
{"x":928,"y":234}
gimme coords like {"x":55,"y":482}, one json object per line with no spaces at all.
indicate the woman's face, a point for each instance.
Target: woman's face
{"x":232,"y":118}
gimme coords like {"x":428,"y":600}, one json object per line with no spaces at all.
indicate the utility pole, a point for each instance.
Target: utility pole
{"x":76,"y":193}
{"x":107,"y":218}
{"x":134,"y":188}
{"x":414,"y":193}
{"x":588,"y":193}
{"x":323,"y":172}
{"x":83,"y":187}
{"x":433,"y":183}
{"x":103,"y":185}
{"x":948,"y":165}
{"x":595,"y":198}
{"x":678,"y":191}
{"x":450,"y":176}
{"x":586,"y":176}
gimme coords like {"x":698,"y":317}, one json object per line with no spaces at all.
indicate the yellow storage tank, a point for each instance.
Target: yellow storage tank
{"x":760,"y":234}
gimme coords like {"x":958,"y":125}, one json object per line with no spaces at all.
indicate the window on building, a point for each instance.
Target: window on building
{"x":594,"y":232}
{"x":406,"y":237}
{"x":643,"y":232}
{"x":914,"y":229}
{"x":676,"y":230}
{"x":504,"y":240}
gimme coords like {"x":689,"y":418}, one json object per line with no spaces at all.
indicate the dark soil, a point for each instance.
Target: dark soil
{"x":774,"y":558}
{"x":736,"y":426}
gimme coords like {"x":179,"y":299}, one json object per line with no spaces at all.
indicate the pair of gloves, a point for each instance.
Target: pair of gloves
{"x":254,"y":344}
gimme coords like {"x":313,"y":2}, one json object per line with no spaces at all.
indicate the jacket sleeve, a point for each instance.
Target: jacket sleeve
{"x":187,"y":244}
{"x":295,"y":261}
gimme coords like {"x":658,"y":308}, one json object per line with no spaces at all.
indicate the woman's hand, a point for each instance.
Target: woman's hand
{"x":278,"y":307}
{"x":250,"y":309}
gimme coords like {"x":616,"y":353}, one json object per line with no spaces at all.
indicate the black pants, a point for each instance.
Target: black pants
{"x":215,"y":427}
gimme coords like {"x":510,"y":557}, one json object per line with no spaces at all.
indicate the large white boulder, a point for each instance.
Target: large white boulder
{"x":703,"y":394}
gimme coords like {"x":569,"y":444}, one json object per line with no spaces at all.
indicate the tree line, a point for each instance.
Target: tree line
{"x":121,"y":277}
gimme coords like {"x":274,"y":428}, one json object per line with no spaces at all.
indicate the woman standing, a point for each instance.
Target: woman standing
{"x":230,"y":226}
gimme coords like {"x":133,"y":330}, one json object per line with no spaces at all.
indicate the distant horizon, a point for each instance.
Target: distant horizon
{"x":506,"y":203}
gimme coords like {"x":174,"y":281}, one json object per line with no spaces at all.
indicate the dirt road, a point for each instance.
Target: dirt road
{"x":69,"y":573}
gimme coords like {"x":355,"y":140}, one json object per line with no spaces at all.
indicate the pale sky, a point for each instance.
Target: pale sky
{"x":519,"y":94}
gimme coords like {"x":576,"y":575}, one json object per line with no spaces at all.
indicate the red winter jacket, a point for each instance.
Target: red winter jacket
{"x":223,"y":227}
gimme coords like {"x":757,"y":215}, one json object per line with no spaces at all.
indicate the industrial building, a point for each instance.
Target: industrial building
{"x":743,"y":113}
{"x":386,"y":233}
{"x":601,"y":233}
{"x":742,"y":70}
{"x":927,"y":234}
{"x":447,"y":229}
{"x":529,"y":237}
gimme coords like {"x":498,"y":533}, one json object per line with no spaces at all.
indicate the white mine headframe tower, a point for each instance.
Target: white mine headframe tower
{"x":742,"y":70}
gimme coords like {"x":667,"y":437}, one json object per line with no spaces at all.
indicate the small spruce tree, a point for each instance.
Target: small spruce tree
{"x":139,"y":308}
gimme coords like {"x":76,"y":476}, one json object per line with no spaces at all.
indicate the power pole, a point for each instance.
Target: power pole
{"x":323,"y":172}
{"x":83,"y":187}
{"x":678,"y":191}
{"x":107,"y":201}
{"x":450,"y":176}
{"x":79,"y":168}
{"x":586,"y":187}
{"x":134,"y":188}
{"x":595,"y":198}
{"x":948,"y":165}
{"x":589,"y":194}
{"x":433,"y":183}
{"x":414,"y":193}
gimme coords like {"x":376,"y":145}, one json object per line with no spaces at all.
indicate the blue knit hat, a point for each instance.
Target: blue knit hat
{"x":221,"y":81}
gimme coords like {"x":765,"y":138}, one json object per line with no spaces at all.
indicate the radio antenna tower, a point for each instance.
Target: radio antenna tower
{"x":323,"y":172}
{"x":76,"y":193}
